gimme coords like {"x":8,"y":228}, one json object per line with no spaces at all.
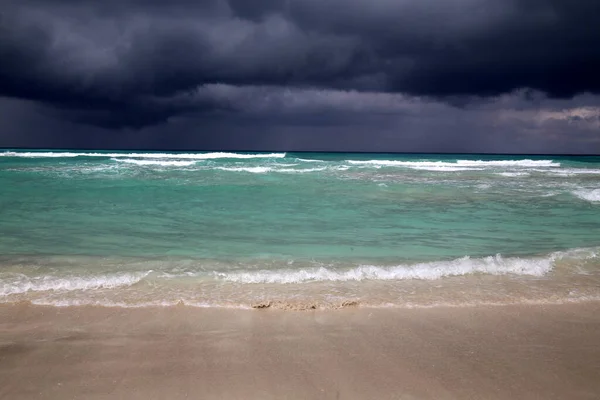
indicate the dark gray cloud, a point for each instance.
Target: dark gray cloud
{"x":288,"y":65}
{"x":280,"y":119}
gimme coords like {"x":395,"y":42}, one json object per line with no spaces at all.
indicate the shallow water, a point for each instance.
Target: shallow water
{"x":231,"y":229}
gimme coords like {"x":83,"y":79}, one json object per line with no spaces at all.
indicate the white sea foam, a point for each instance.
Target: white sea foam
{"x":202,"y":291}
{"x":509,"y":163}
{"x":377,"y":305}
{"x":434,"y":270}
{"x":308,"y":160}
{"x":181,"y":156}
{"x":254,"y":170}
{"x":573,"y":172}
{"x":263,"y":170}
{"x":19,"y":284}
{"x":457,"y":164}
{"x":589,"y":195}
{"x":487,"y":303}
{"x":136,"y":304}
{"x":154,"y":162}
{"x":513,"y":174}
{"x":300,"y":170}
{"x":443,"y":168}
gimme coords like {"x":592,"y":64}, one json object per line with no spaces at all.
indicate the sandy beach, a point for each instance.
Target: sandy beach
{"x":504,"y":352}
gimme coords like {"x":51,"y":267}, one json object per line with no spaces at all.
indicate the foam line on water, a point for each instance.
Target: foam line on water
{"x":253,"y":170}
{"x":263,"y":170}
{"x":495,"y":265}
{"x":443,"y":168}
{"x":154,"y":162}
{"x":458,"y":164}
{"x":513,"y":174}
{"x":18,"y":284}
{"x":589,"y":195}
{"x":300,"y":170}
{"x":312,"y":305}
{"x":310,"y":161}
{"x":181,"y":156}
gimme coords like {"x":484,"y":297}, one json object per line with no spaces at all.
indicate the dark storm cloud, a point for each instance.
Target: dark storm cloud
{"x":116,"y":63}
{"x":283,"y":119}
{"x":385,"y":75}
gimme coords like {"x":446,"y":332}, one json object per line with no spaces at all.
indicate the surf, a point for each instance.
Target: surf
{"x":182,"y":156}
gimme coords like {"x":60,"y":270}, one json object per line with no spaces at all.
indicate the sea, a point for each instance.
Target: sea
{"x":297,"y":231}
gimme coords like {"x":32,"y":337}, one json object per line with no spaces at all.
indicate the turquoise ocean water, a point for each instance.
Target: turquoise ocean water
{"x":297,"y":229}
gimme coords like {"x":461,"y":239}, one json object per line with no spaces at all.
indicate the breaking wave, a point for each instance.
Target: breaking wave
{"x":589,"y":195}
{"x":495,"y":265}
{"x":183,"y":156}
{"x":154,"y":162}
{"x":19,"y":283}
{"x":263,"y":170}
{"x":513,"y":174}
{"x":254,"y":170}
{"x":458,"y":164}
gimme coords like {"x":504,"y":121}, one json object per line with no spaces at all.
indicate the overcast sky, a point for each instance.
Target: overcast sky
{"x":346,"y":75}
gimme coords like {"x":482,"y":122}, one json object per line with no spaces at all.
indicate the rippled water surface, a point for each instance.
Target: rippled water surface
{"x":234,"y":229}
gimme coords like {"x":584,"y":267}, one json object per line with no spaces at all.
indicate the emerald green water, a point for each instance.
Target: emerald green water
{"x":284,"y":213}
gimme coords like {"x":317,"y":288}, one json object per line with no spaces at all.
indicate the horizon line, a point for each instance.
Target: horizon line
{"x":300,"y":151}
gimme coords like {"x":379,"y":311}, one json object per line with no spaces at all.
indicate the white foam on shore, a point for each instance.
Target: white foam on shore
{"x":589,"y":195}
{"x":428,"y":271}
{"x":19,"y":284}
{"x":181,"y":156}
{"x":322,"y":306}
{"x":486,"y":303}
{"x":140,"y":304}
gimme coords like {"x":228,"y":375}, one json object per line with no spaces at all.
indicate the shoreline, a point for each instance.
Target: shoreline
{"x":291,"y":305}
{"x":490,"y":352}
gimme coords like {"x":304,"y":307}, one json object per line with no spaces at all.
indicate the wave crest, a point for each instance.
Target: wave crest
{"x":440,"y":165}
{"x":589,"y":195}
{"x":154,"y":162}
{"x":20,"y":284}
{"x":181,"y":156}
{"x":495,"y":265}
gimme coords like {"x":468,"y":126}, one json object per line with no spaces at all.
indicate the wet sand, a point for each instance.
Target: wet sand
{"x":509,"y":352}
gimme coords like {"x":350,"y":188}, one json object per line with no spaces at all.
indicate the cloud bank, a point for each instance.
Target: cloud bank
{"x":478,"y":75}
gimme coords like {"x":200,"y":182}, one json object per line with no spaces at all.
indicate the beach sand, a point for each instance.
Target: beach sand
{"x":502,"y":352}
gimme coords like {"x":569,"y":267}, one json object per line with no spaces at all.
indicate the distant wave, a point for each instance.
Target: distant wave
{"x":183,"y":156}
{"x":263,"y":170}
{"x":513,"y":174}
{"x":433,"y":270}
{"x":154,"y":162}
{"x":309,"y":160}
{"x":589,"y":195}
{"x":300,"y":170}
{"x":443,"y":168}
{"x":573,"y":171}
{"x":254,"y":170}
{"x":439,"y":165}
